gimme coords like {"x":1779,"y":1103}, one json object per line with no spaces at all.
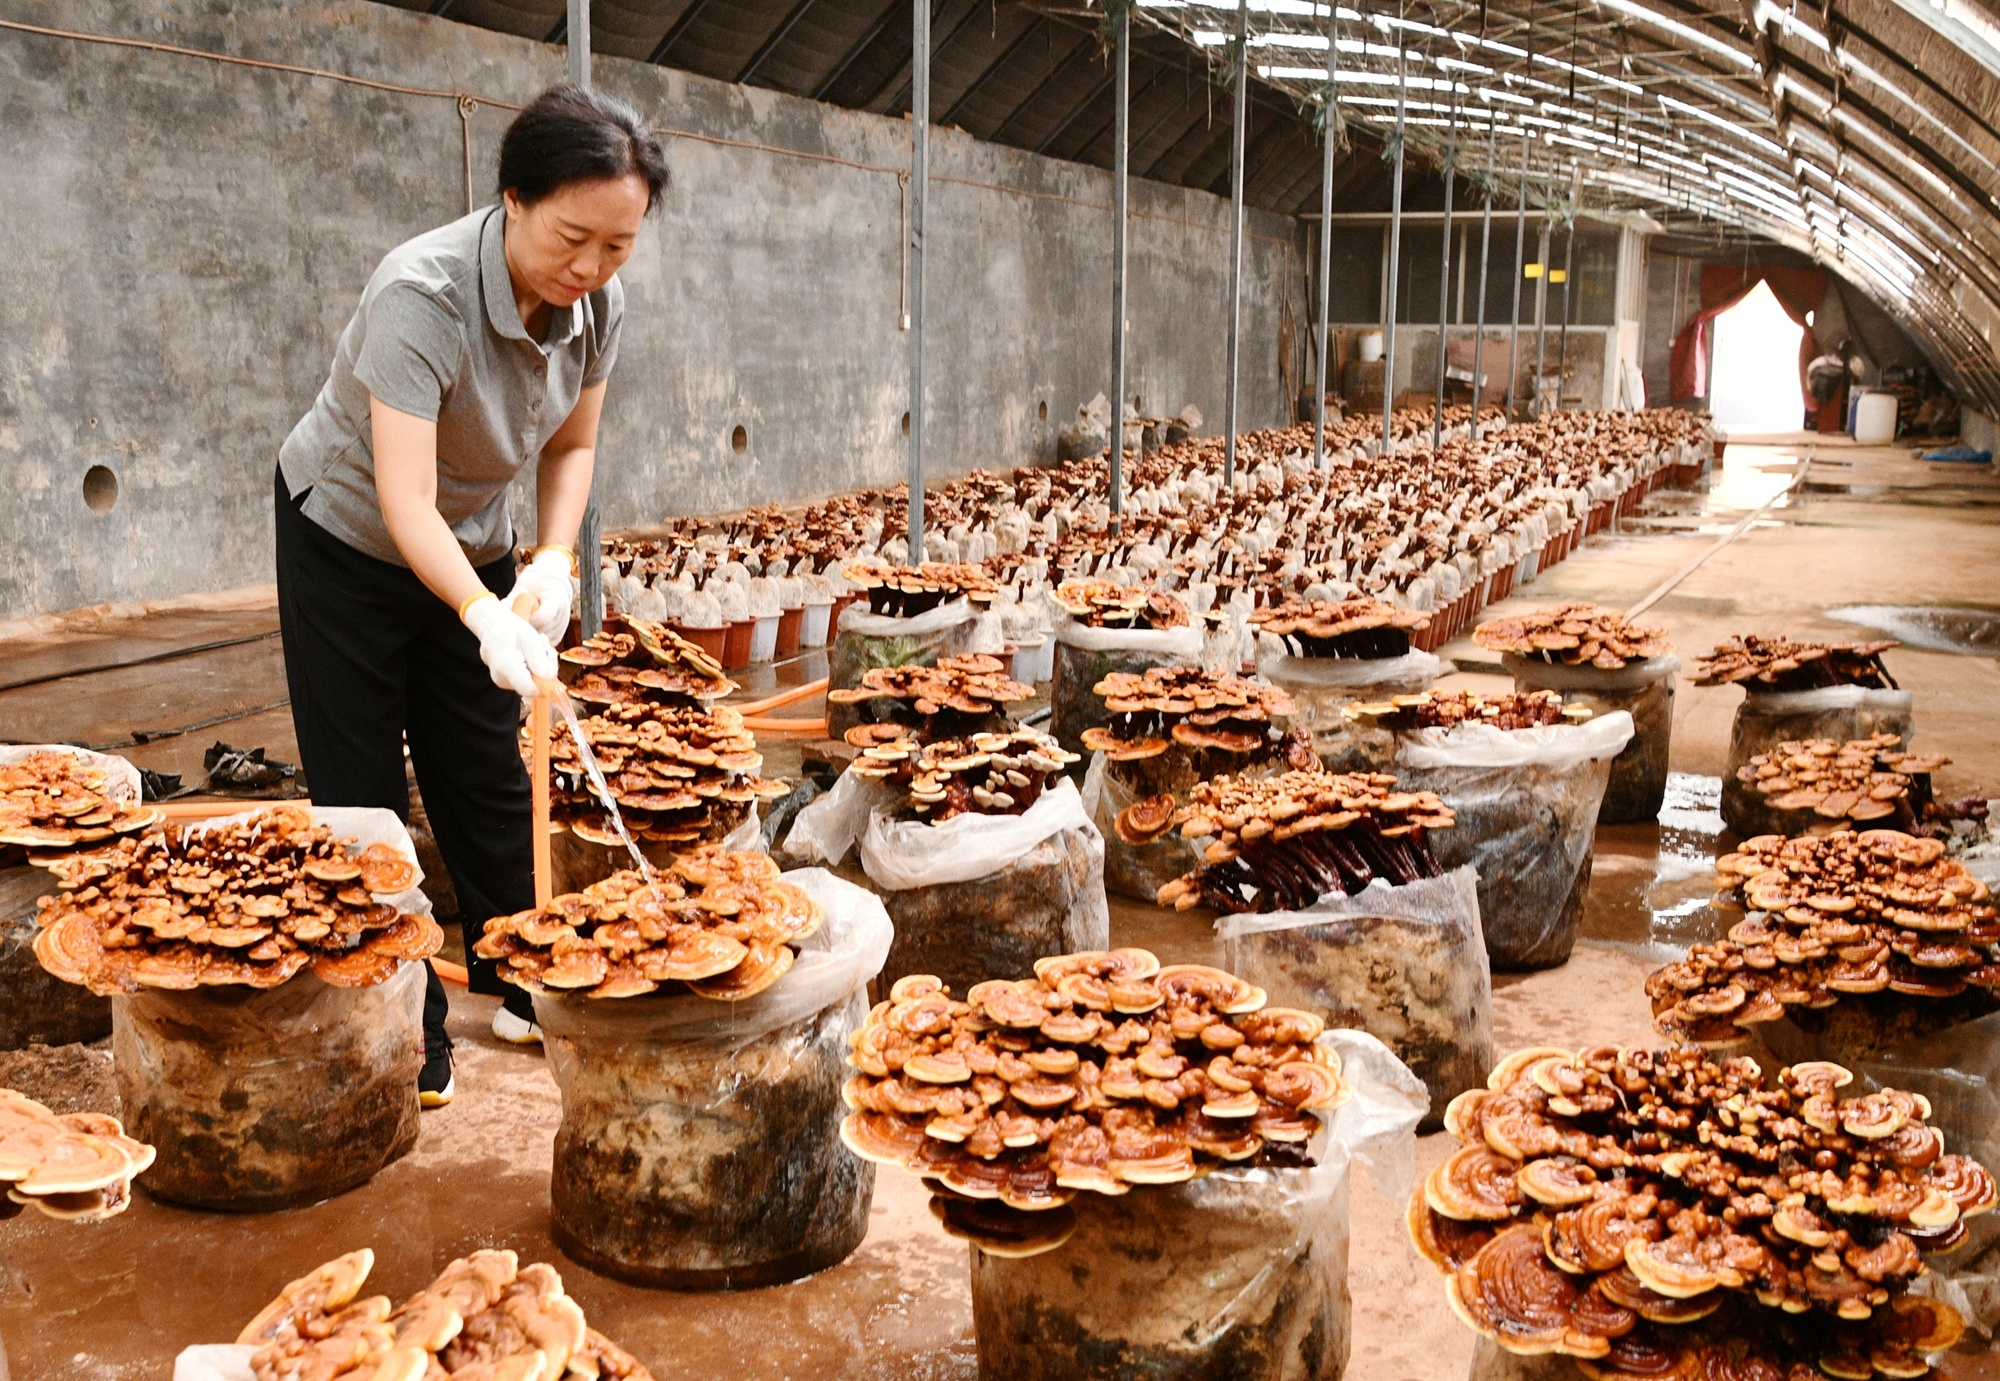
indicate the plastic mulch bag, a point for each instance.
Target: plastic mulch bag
{"x":865,"y":641}
{"x":266,"y":1098}
{"x":1138,"y":871}
{"x":1840,"y":713}
{"x":35,"y":1006}
{"x":1405,"y":964}
{"x":1527,"y":803}
{"x":985,"y":896}
{"x":700,"y":1141}
{"x":1086,"y":655}
{"x":1241,"y":1274}
{"x":1645,"y":690}
{"x":1322,"y":688}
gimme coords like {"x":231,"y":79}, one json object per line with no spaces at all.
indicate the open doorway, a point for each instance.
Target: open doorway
{"x":1756,"y":367}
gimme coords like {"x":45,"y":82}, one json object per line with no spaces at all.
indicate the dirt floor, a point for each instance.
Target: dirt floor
{"x":1845,"y":525}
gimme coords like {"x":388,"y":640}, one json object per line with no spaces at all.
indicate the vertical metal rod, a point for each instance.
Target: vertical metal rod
{"x":1485,"y":253}
{"x":1541,"y":310}
{"x":1569,"y":274}
{"x":1120,"y":175}
{"x":1444,"y":294}
{"x":920,"y":179}
{"x":590,"y":534}
{"x":1236,"y":236}
{"x":1520,"y":250}
{"x":1395,"y":259}
{"x":1327,"y":109}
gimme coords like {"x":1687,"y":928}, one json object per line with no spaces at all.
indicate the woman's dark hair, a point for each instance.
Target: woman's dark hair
{"x":568,"y":134}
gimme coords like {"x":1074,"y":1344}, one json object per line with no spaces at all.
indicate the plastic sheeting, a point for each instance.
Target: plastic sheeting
{"x":1405,"y":964}
{"x":1840,"y":713}
{"x":700,"y":1144}
{"x":1526,"y":802}
{"x":1323,"y":687}
{"x":1241,"y":1274}
{"x":262,"y":1099}
{"x":1643,"y":689}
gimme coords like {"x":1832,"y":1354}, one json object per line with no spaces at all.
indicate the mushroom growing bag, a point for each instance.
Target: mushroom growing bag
{"x":1323,"y":687}
{"x":700,"y":1144}
{"x":1840,"y":713}
{"x":1240,"y":1275}
{"x":1527,"y":807}
{"x":865,"y":641}
{"x":1405,"y":964}
{"x":35,"y":1005}
{"x":1645,"y":690}
{"x":978,"y":896}
{"x":262,"y":1099}
{"x":1085,"y":655}
{"x":1137,"y":871}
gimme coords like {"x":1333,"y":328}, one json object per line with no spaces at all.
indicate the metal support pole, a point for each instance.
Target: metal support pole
{"x":920,"y":178}
{"x":590,"y":535}
{"x":1444,"y":295}
{"x":1395,"y":260}
{"x":1485,"y":253}
{"x":1520,"y":250}
{"x":1236,"y":237}
{"x":1541,"y":311}
{"x":1325,"y":239}
{"x":1569,"y":273}
{"x":1120,"y":175}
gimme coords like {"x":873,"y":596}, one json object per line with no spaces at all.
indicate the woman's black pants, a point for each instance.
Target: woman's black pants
{"x":373,"y":658}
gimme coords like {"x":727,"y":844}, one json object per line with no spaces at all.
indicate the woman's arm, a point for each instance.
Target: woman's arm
{"x":562,"y":474}
{"x":406,"y":483}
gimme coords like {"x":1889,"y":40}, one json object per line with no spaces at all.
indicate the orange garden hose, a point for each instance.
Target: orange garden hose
{"x":757,"y":707}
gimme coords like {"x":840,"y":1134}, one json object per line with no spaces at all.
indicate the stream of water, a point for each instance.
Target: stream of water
{"x":600,"y":786}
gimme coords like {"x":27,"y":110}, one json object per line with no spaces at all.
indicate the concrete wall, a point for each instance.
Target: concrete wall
{"x":185,"y":239}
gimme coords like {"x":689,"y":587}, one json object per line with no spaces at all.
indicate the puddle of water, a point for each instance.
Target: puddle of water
{"x":1971,"y":632}
{"x":1658,"y":905}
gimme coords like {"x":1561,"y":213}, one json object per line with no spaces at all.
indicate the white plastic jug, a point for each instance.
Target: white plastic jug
{"x":1875,"y":419}
{"x":1371,"y":347}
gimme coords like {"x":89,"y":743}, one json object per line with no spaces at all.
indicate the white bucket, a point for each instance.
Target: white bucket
{"x":812,"y":628}
{"x":1875,"y":419}
{"x":1371,"y":347}
{"x":764,"y":639}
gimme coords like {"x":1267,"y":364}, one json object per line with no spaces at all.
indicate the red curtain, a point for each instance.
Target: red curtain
{"x":1723,"y":286}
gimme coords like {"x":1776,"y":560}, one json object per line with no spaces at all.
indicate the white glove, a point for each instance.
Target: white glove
{"x":546,"y":580}
{"x":513,"y":651}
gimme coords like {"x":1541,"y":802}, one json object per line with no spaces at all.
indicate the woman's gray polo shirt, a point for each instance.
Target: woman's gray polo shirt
{"x":438,"y":336}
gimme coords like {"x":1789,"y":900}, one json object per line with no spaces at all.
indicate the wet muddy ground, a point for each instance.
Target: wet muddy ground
{"x":1853,"y":526}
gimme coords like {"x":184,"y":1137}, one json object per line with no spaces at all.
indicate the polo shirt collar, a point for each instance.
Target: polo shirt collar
{"x":498,"y":286}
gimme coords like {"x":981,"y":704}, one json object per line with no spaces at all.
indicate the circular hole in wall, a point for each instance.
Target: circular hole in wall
{"x":906,"y":424}
{"x":1138,"y":403}
{"x":1042,"y":410}
{"x":100,"y":488}
{"x":739,"y":440}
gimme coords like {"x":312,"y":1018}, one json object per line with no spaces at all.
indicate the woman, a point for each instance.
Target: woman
{"x":477,"y":348}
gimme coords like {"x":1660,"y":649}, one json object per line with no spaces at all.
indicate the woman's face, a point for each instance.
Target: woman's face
{"x":571,"y":241}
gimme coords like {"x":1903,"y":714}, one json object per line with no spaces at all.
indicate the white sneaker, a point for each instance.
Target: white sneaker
{"x":515,"y":1030}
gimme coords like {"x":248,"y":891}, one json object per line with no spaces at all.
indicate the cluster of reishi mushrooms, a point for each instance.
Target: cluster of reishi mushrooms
{"x":52,"y":800}
{"x":1834,"y":916}
{"x":679,"y":774}
{"x":1866,"y":781}
{"x":74,"y":1166}
{"x":999,"y":773}
{"x":249,"y":901}
{"x":1106,"y":604}
{"x":717,"y":923}
{"x":1438,"y":709}
{"x":1418,"y":527}
{"x":1151,"y":711}
{"x":485,"y":1318}
{"x":957,"y":696}
{"x":906,"y":591}
{"x":1573,"y":634}
{"x":1103,"y":1071}
{"x":1358,"y":626}
{"x":1769,"y":665}
{"x":637,"y":661}
{"x":1663,"y":1213}
{"x":1281,"y":843}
